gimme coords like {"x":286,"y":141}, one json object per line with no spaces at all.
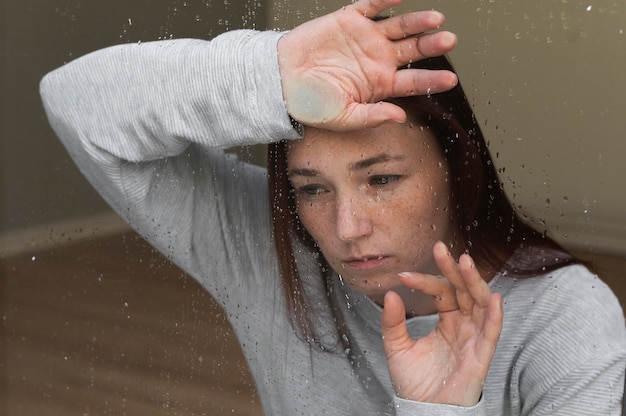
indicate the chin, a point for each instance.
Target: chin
{"x":373,"y":288}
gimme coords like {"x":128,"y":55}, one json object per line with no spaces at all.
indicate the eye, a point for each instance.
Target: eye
{"x":310,"y":190}
{"x":381,"y":180}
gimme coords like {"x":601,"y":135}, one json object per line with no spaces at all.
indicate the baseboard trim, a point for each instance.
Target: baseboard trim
{"x":594,"y":236}
{"x":44,"y":237}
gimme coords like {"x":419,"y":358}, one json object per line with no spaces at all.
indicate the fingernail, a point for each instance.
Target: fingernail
{"x":443,"y":246}
{"x":467,"y":260}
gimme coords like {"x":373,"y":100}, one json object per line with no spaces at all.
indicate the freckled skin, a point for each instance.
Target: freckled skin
{"x":379,"y":194}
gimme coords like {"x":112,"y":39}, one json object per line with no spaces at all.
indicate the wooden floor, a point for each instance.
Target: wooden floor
{"x":110,"y":327}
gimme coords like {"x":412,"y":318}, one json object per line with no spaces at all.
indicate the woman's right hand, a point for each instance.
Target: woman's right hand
{"x":336,"y":69}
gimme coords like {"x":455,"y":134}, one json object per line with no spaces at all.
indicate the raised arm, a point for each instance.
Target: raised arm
{"x":157,"y":97}
{"x":144,"y":121}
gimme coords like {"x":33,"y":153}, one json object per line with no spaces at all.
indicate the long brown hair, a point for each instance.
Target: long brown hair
{"x":487,"y":222}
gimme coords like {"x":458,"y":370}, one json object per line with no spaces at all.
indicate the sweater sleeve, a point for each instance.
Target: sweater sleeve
{"x":145,"y":101}
{"x":410,"y":408}
{"x":145,"y":124}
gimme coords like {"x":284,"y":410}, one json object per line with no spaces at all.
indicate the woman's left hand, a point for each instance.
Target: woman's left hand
{"x":449,"y":365}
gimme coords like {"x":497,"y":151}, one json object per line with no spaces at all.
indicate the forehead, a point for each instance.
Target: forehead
{"x":409,"y":140}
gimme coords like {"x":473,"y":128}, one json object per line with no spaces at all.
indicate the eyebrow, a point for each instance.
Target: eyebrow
{"x":381,"y":158}
{"x":360,"y":165}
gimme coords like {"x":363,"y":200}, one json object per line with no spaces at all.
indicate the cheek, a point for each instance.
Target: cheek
{"x":440,"y":221}
{"x":425,"y":209}
{"x":314,"y":219}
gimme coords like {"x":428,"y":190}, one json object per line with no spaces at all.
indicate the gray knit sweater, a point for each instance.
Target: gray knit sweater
{"x":146,"y":123}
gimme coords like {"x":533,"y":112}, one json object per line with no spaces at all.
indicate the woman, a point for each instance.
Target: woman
{"x":482,"y":216}
{"x":359,"y":204}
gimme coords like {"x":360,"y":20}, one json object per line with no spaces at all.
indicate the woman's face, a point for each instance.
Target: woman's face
{"x":374,"y":200}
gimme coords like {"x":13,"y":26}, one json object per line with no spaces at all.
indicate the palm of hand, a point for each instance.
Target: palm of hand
{"x":337,"y":68}
{"x":441,"y":367}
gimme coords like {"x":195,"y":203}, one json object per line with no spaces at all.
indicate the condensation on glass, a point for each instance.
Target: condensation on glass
{"x":94,"y":321}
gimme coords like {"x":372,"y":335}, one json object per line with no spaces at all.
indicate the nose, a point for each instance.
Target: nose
{"x":353,"y":219}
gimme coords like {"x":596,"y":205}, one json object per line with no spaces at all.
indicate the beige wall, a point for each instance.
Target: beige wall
{"x":547,"y":81}
{"x":40,"y":187}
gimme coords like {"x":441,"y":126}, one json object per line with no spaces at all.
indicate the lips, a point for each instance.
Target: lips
{"x":365,"y":263}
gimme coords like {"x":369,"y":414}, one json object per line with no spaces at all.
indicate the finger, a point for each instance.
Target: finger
{"x":408,"y":24}
{"x":359,"y":116}
{"x":493,"y":326}
{"x":438,"y":287}
{"x":393,"y":324}
{"x":476,"y":285}
{"x":409,"y":82}
{"x":451,"y":271}
{"x":372,"y":8}
{"x":491,"y":329}
{"x":436,"y":44}
{"x":415,"y":48}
